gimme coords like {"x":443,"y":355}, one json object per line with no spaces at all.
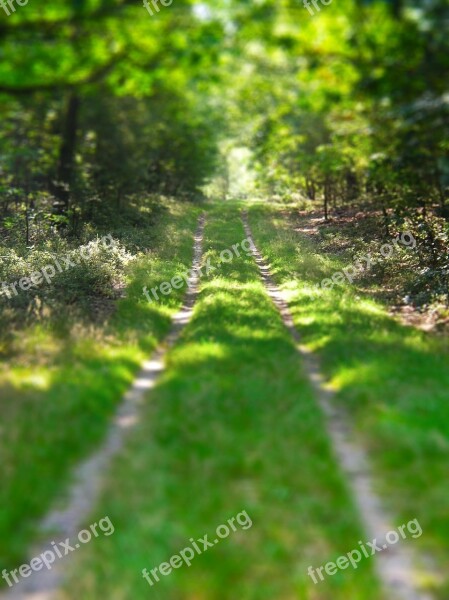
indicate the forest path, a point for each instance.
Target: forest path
{"x":66,"y":522}
{"x":395,"y":564}
{"x":235,"y":419}
{"x":220,"y":438}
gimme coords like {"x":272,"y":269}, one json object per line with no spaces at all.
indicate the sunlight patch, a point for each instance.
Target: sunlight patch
{"x":194,"y":353}
{"x":30,"y":381}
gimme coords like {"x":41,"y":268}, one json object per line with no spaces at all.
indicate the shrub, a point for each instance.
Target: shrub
{"x":94,"y":269}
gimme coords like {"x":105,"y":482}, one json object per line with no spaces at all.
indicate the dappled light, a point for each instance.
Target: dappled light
{"x":224,"y":299}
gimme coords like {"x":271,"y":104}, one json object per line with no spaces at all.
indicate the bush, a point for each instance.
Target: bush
{"x":73,"y":275}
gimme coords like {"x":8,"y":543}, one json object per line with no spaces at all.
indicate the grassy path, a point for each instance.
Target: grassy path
{"x":58,"y":399}
{"x":391,"y":380}
{"x":231,"y":427}
{"x":396,"y":565}
{"x":231,"y":436}
{"x":65,"y":523}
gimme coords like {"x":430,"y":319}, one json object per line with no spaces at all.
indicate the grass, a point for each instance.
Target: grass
{"x":391,"y":379}
{"x":60,"y":388}
{"x":231,"y":426}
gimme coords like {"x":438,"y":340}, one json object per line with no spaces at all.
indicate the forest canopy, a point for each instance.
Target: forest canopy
{"x":104,"y":102}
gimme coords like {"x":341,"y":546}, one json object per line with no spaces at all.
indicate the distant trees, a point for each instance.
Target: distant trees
{"x":98,"y":101}
{"x":352,"y":103}
{"x":348,"y":106}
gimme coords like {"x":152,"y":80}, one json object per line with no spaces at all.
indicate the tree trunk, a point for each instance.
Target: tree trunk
{"x":386,"y":221}
{"x":67,"y":151}
{"x":397,"y":6}
{"x":326,"y":199}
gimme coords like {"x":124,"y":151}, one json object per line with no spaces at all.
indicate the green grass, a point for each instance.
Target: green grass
{"x":393,"y":380}
{"x":59,"y":390}
{"x":231,"y":426}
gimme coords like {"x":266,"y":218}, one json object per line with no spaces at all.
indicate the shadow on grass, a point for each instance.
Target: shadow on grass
{"x":393,"y":380}
{"x":62,"y":390}
{"x":232,"y":425}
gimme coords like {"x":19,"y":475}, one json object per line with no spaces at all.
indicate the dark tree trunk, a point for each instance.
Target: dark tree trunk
{"x":67,"y":151}
{"x":397,"y":6}
{"x":386,"y":221}
{"x":310,"y":188}
{"x":326,"y":199}
{"x":352,"y":186}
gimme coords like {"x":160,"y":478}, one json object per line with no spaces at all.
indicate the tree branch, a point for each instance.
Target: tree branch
{"x":94,"y":77}
{"x":47,"y":26}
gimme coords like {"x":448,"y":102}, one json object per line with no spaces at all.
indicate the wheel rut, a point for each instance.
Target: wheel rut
{"x":396,"y":566}
{"x":66,"y":522}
